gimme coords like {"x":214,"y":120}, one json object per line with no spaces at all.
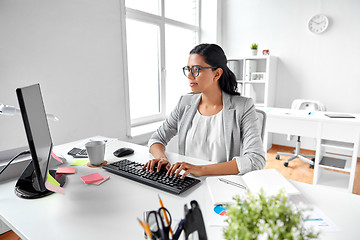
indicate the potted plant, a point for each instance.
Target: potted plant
{"x":254,"y":49}
{"x":259,"y":217}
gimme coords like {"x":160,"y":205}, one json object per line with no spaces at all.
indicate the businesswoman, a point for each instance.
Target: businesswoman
{"x":213,"y":122}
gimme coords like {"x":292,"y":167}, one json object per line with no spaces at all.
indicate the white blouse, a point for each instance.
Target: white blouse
{"x":205,"y":138}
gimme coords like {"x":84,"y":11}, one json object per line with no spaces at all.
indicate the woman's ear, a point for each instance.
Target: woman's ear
{"x":218,"y":73}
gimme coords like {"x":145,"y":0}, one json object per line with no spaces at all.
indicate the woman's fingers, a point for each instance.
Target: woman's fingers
{"x":161,"y":163}
{"x":145,"y":165}
{"x":152,"y":164}
{"x":178,"y":167}
{"x":173,"y":168}
{"x":177,"y":172}
{"x":187,"y":172}
{"x":149,"y":166}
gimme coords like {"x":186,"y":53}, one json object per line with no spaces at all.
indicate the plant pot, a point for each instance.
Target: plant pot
{"x":254,"y":52}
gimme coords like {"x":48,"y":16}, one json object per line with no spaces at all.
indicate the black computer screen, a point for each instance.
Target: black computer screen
{"x":37,"y":130}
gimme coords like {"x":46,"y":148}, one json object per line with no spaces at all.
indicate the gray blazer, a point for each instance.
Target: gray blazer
{"x":242,"y":136}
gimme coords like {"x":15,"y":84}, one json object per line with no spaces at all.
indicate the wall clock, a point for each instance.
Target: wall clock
{"x":318,"y":23}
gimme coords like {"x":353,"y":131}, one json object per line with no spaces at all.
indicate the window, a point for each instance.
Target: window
{"x":176,"y":58}
{"x":143,"y":68}
{"x":159,"y":36}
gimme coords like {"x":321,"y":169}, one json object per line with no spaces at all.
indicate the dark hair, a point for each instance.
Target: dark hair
{"x":215,"y":57}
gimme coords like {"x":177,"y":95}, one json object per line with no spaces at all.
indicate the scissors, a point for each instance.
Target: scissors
{"x":159,"y":227}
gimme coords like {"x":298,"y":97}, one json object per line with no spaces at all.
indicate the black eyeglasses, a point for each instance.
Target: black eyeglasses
{"x":159,"y":222}
{"x":195,"y":70}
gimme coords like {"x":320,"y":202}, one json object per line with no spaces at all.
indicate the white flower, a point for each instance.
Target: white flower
{"x":263,"y":236}
{"x":279,"y":223}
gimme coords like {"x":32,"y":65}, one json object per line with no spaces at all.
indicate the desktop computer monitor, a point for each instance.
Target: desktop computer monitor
{"x":31,"y":183}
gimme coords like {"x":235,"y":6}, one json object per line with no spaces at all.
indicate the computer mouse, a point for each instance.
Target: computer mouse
{"x":124,"y":151}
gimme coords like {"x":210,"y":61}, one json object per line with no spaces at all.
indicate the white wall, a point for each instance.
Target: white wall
{"x":323,"y":67}
{"x":211,"y":21}
{"x":73,"y":49}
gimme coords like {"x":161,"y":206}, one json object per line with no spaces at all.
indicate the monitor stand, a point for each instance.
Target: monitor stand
{"x":26,"y":186}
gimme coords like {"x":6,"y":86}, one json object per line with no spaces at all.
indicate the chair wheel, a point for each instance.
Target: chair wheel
{"x":311,"y":166}
{"x":286,"y":164}
{"x":277,"y":157}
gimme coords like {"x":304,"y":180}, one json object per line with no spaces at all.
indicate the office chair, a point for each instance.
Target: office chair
{"x":261,"y":122}
{"x":301,"y":104}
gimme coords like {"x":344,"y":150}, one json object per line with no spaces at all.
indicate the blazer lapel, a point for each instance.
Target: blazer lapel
{"x":228,"y":119}
{"x":189,"y":114}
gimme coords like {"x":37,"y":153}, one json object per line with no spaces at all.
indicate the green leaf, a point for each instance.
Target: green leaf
{"x":274,"y":217}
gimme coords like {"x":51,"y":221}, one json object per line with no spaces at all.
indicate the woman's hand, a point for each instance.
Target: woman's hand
{"x":159,"y":162}
{"x":187,"y":167}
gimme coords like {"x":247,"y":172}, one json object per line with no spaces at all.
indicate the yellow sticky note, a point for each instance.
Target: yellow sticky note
{"x":52,"y":180}
{"x":79,"y":162}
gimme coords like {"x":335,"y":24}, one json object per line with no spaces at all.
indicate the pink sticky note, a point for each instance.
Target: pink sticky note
{"x":92,"y":178}
{"x":58,"y":176}
{"x":101,"y":181}
{"x":69,"y":170}
{"x":56,"y":157}
{"x":54,"y":188}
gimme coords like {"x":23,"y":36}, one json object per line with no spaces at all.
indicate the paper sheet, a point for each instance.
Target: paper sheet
{"x":316,"y":218}
{"x":56,"y":157}
{"x":95,"y":177}
{"x":53,"y":185}
{"x":69,"y":170}
{"x":211,"y":217}
{"x":101,"y":181}
{"x":52,"y":180}
{"x":79,"y":162}
{"x":221,"y":192}
{"x":54,"y":188}
{"x":319,"y":221}
{"x":270,"y":180}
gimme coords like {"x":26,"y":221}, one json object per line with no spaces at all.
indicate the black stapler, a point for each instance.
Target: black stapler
{"x":194,"y":221}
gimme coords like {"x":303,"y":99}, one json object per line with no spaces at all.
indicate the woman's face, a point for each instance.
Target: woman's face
{"x":207,"y":80}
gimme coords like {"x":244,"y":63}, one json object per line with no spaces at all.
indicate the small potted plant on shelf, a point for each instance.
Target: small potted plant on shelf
{"x":261,"y":217}
{"x":254,"y":49}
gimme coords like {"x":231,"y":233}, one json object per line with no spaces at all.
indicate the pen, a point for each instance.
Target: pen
{"x":232,"y":183}
{"x":166,"y":218}
{"x":178,"y":230}
{"x":146,"y":227}
{"x":314,"y":219}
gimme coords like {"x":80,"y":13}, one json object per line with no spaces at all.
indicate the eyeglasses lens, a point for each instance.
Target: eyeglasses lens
{"x":186,"y":71}
{"x":194,"y":71}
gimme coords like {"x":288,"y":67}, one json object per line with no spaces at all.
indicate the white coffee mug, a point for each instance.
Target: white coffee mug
{"x":96,"y":152}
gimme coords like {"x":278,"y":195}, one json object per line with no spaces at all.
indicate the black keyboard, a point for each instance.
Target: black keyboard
{"x":134,"y":171}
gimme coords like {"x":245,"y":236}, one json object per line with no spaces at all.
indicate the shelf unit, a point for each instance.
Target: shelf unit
{"x":256,"y":77}
{"x":337,"y":164}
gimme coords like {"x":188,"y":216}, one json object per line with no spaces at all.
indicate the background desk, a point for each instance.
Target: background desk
{"x":109,"y":211}
{"x":340,"y":135}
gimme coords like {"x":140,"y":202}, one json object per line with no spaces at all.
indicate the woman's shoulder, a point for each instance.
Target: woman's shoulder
{"x":238,"y":100}
{"x":189,"y":98}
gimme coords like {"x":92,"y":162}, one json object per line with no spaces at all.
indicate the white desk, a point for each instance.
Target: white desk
{"x":323,"y":129}
{"x":109,"y":211}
